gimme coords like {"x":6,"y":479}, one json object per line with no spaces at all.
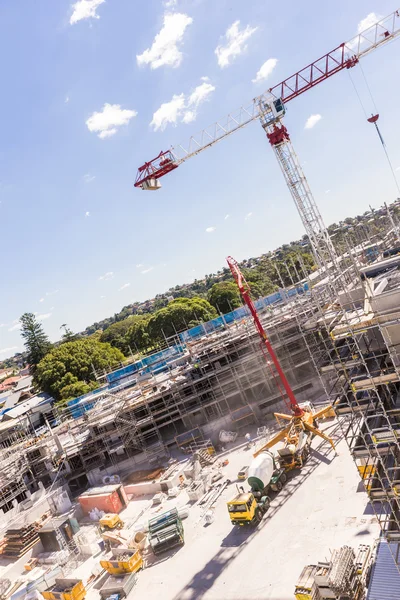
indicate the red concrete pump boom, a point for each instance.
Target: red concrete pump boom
{"x":244,"y":290}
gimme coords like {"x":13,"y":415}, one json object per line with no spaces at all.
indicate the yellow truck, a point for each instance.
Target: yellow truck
{"x":263,"y":475}
{"x":245,"y":509}
{"x":122,"y":560}
{"x":65,"y":589}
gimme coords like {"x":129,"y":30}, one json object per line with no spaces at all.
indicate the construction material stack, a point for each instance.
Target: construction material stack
{"x":19,"y":541}
{"x":342,"y":578}
{"x":165,"y":531}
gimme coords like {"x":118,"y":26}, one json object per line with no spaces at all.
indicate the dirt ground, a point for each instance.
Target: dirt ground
{"x":144,"y":475}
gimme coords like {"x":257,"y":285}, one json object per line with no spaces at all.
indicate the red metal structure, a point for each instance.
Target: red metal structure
{"x":344,"y":56}
{"x":159,"y":166}
{"x":244,"y":290}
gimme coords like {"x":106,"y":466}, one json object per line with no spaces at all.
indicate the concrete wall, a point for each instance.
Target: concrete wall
{"x":386,"y":302}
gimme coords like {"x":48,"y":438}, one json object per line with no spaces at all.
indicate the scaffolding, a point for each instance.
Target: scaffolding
{"x":220,"y":381}
{"x":355,"y":351}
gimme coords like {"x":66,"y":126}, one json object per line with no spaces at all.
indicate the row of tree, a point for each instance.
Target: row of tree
{"x":265,"y":274}
{"x":70,"y":367}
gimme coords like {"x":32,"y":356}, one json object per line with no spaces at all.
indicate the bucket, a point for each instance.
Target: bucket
{"x":140,"y":539}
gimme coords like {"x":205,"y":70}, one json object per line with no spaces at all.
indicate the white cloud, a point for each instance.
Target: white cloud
{"x":170,"y":3}
{"x":234,"y":43}
{"x":85,"y":9}
{"x":226,"y":217}
{"x":165,"y":48}
{"x":210,"y":229}
{"x":123,"y":287}
{"x":368,"y":22}
{"x":52,"y":293}
{"x":169,"y":112}
{"x":87,"y":214}
{"x":44,"y":316}
{"x":102,"y":297}
{"x":139,"y":265}
{"x":248,"y":216}
{"x":88,"y":178}
{"x":182,"y":108}
{"x":312,"y":121}
{"x":147,"y":270}
{"x":106,"y":122}
{"x":41,"y":300}
{"x":327,"y":191}
{"x":106,"y":276}
{"x":397,"y":168}
{"x":8,"y":350}
{"x":265,"y":70}
{"x":197,"y":97}
{"x":66,"y":99}
{"x":16,"y":324}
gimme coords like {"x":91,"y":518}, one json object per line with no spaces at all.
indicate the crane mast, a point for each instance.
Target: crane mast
{"x":269,"y":108}
{"x":271,"y":115}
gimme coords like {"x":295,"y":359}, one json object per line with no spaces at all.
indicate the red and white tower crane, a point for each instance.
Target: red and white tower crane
{"x":269,"y":109}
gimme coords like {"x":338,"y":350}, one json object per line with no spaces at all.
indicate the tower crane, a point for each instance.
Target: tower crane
{"x":269,"y":108}
{"x":302,"y":423}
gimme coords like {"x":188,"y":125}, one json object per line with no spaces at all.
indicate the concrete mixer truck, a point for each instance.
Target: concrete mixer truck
{"x":264,"y":474}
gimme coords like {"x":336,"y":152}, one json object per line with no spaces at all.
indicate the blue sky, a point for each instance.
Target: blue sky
{"x":79,"y":241}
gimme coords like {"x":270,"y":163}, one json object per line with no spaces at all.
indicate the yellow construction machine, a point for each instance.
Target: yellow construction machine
{"x":246,"y":509}
{"x":110,"y":521}
{"x":297,"y":436}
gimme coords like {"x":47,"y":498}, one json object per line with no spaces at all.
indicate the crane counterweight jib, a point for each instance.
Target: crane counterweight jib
{"x":154,"y":169}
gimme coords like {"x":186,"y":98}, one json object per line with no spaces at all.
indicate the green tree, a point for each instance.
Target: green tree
{"x":36,"y":342}
{"x":115,"y":334}
{"x":224,"y":296}
{"x":137,"y":337}
{"x":180,"y":314}
{"x":79,"y":388}
{"x":260,"y":283}
{"x":75,"y":362}
{"x":68,"y":335}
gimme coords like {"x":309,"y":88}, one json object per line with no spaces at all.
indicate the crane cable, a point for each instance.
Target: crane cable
{"x":373,"y":119}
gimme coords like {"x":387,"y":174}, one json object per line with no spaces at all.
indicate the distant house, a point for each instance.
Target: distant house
{"x":4,"y":373}
{"x":17,"y":383}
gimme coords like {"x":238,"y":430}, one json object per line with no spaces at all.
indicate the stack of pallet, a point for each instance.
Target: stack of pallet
{"x":19,"y":541}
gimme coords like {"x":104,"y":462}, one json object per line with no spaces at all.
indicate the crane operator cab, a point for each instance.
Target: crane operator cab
{"x":245,"y":509}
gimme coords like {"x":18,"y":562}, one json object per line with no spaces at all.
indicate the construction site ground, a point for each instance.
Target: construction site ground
{"x":320,"y":508}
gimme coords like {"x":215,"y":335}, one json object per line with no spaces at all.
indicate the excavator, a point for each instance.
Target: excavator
{"x":296,"y":437}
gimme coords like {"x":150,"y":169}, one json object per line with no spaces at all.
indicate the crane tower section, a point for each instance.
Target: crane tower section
{"x":271,"y":114}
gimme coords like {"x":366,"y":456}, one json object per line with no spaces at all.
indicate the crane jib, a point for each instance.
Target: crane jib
{"x":345,"y":56}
